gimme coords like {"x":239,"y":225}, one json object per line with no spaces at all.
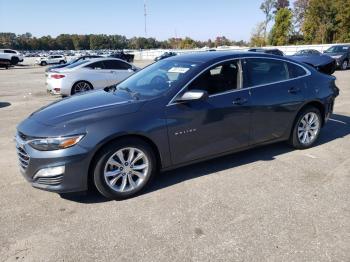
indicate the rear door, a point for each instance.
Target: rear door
{"x":277,"y":92}
{"x":219,"y":124}
{"x":97,"y":75}
{"x":119,"y":70}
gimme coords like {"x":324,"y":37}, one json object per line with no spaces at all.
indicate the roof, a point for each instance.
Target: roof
{"x":203,"y":57}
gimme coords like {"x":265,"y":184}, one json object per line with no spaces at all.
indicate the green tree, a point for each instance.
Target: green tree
{"x":258,"y":36}
{"x":342,"y":20}
{"x":282,"y":28}
{"x":267,"y":8}
{"x":320,"y":23}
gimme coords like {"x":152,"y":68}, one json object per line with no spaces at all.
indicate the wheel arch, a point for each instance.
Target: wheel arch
{"x":105,"y":142}
{"x":314,"y":103}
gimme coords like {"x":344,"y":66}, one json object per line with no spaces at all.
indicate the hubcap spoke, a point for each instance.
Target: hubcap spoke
{"x":131,"y":181}
{"x":112,"y":173}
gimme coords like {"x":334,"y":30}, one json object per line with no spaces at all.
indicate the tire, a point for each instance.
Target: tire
{"x":345,"y":65}
{"x":306,"y":129}
{"x":117,"y":185}
{"x":14,"y":60}
{"x":43,"y":63}
{"x":62,"y":62}
{"x":81,"y":86}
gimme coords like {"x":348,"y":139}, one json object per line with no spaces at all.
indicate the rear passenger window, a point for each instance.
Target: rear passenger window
{"x":295,"y":71}
{"x":116,"y":65}
{"x":96,"y":65}
{"x":265,"y":71}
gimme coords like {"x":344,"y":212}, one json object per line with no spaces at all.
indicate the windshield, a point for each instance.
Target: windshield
{"x":157,"y":78}
{"x":74,"y":64}
{"x":337,"y":49}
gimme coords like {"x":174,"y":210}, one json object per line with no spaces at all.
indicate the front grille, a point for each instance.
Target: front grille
{"x":50,"y":181}
{"x":23,"y":157}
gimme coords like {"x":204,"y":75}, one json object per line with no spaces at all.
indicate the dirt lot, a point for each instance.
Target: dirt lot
{"x":267,"y":204}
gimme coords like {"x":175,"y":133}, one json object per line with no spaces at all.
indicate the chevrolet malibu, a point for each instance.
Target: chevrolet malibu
{"x":172,"y":113}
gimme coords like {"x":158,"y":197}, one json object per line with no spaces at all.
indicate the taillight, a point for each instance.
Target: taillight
{"x":57,"y":76}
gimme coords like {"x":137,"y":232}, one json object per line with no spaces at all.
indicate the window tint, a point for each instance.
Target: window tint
{"x":295,"y":70}
{"x":116,"y":65}
{"x":218,"y":79}
{"x":96,"y":65}
{"x":264,"y":71}
{"x":9,"y":52}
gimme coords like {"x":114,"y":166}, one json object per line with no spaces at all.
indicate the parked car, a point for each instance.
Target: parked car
{"x":165,"y":55}
{"x":123,"y":56}
{"x":86,"y":75}
{"x":10,"y":56}
{"x":341,"y":53}
{"x":51,"y":68}
{"x":51,"y":59}
{"x":306,"y":52}
{"x":267,"y":51}
{"x":172,"y":113}
{"x":321,"y":62}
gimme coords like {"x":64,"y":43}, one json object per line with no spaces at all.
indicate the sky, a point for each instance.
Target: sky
{"x":198,"y":19}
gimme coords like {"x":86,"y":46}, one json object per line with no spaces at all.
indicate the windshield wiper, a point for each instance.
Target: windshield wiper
{"x":134,"y":95}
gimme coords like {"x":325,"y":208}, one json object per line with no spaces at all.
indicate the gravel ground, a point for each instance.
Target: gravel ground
{"x":267,"y":204}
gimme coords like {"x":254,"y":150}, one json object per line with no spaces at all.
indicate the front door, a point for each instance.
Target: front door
{"x":219,"y":124}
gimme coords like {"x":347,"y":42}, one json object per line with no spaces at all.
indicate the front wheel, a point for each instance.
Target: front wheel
{"x":43,"y":63}
{"x":124,"y":168}
{"x":344,"y":65}
{"x":62,"y":62}
{"x":306,"y":129}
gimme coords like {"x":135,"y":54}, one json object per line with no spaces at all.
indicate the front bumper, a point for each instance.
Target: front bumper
{"x":75,"y":161}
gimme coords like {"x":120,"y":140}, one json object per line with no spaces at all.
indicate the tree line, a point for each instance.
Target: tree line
{"x":306,"y":22}
{"x":101,"y":41}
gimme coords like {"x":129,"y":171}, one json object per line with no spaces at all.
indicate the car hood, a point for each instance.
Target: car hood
{"x":314,"y":60}
{"x":79,"y":109}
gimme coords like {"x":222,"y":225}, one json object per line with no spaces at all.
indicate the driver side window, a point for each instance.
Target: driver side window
{"x":220,"y":78}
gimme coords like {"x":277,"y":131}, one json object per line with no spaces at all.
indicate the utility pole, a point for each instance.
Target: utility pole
{"x":145,"y":14}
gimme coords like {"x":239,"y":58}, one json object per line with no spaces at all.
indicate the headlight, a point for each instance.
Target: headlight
{"x":55,"y":143}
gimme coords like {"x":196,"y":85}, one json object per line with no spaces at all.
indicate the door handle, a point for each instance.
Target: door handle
{"x":294,"y":90}
{"x":240,"y":101}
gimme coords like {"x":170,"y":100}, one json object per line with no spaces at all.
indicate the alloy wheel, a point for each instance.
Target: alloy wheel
{"x":126,"y":169}
{"x":345,"y":65}
{"x":308,"y":128}
{"x":81,"y":87}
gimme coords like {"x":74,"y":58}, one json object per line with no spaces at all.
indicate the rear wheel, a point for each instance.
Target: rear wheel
{"x":43,"y":63}
{"x":306,"y":129}
{"x":62,"y":62}
{"x":124,"y":168}
{"x":81,"y":86}
{"x":345,"y":65}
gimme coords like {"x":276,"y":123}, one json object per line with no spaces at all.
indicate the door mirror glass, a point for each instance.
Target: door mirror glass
{"x":193,"y":95}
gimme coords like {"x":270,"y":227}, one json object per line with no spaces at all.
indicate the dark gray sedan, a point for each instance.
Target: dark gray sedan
{"x":175,"y":112}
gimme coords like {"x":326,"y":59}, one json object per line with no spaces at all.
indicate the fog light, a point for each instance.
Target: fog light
{"x":50,"y":172}
{"x":57,"y":90}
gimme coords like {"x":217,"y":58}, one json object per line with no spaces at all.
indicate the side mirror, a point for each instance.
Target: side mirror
{"x":193,"y":95}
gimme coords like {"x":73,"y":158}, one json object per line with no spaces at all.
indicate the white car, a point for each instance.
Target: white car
{"x":13,"y":56}
{"x":96,"y":73}
{"x":51,"y":59}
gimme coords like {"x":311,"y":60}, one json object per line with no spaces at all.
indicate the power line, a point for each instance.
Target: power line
{"x":145,"y":14}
